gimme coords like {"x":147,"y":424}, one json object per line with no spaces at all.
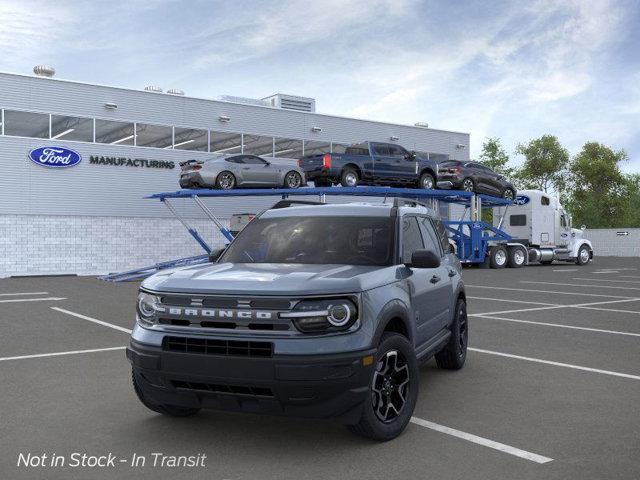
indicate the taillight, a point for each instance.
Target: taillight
{"x":196,"y":167}
{"x":299,"y":163}
{"x":326,"y":161}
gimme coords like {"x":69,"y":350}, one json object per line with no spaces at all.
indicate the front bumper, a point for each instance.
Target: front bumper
{"x":316,"y":386}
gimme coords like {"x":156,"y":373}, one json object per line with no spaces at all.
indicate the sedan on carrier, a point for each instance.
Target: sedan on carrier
{"x":230,"y":171}
{"x":474,"y":177}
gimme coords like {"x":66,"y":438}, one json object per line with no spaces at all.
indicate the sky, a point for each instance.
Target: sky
{"x":514,"y":70}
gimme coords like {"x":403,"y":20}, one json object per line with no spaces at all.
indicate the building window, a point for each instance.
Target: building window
{"x":258,"y":145}
{"x":72,"y":128}
{"x":338,"y":147}
{"x":115,"y":133}
{"x":26,"y":124}
{"x":312,"y":147}
{"x":287,"y":148}
{"x":157,"y":136}
{"x":190,"y":139}
{"x":224,"y":142}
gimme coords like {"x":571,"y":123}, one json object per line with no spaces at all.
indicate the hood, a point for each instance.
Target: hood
{"x":577,"y":232}
{"x":271,"y":279}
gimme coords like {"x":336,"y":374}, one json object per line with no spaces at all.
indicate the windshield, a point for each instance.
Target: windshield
{"x":315,"y":240}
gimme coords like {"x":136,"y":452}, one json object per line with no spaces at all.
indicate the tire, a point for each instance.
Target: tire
{"x":584,"y":255}
{"x":517,"y":257}
{"x":468,"y":185}
{"x":292,"y":180}
{"x":225,"y":180}
{"x":427,"y":182}
{"x":169,"y":410}
{"x":349,"y":178}
{"x":454,"y":354}
{"x":322,"y":182}
{"x":405,"y":378}
{"x":498,"y":257}
{"x":508,"y":194}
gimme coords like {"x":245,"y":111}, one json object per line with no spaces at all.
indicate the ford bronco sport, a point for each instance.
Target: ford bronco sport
{"x":321,"y":311}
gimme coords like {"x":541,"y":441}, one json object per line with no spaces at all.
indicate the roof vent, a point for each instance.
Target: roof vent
{"x":175,"y":91}
{"x":292,"y":102}
{"x":153,"y":88}
{"x":44,"y":71}
{"x":244,"y":100}
{"x":422,"y":124}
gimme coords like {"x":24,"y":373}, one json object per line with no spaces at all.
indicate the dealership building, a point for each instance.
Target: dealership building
{"x":91,"y":217}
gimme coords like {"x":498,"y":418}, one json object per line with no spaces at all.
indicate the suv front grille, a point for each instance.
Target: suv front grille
{"x":207,"y":346}
{"x":230,"y":389}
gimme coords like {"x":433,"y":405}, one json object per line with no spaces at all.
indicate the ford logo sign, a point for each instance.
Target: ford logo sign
{"x":56,"y":157}
{"x":521,"y":200}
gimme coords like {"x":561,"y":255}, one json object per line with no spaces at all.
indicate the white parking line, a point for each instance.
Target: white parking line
{"x":57,"y":354}
{"x":533,"y":457}
{"x":580,"y":285}
{"x":45,"y":299}
{"x":23,"y":293}
{"x":556,"y":364}
{"x":94,"y":320}
{"x":604,"y":280}
{"x":530,"y":290}
{"x":519,"y":310}
{"x":559,"y":325}
{"x":512,"y":301}
{"x":588,"y":306}
{"x":566,"y":269}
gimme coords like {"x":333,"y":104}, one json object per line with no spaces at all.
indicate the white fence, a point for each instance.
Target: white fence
{"x":614,"y":242}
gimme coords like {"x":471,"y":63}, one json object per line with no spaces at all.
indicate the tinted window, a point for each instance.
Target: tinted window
{"x":26,"y":124}
{"x":411,"y":238}
{"x":238,"y":159}
{"x":441,"y":232}
{"x":430,"y":240}
{"x":397,"y":151}
{"x":315,"y":240}
{"x":381,"y":149}
{"x":544,"y":200}
{"x":450,"y":163}
{"x":253,"y":160}
{"x":517,"y":220}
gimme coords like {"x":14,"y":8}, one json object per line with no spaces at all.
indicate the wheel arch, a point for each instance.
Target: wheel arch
{"x":394,"y":317}
{"x":354,"y":167}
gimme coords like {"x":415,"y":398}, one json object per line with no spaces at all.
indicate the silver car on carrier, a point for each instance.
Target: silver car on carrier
{"x":241,"y":170}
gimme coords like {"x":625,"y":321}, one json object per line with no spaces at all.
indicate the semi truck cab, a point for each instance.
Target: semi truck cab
{"x":538,"y":221}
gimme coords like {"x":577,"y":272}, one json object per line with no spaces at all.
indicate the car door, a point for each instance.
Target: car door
{"x":494,"y":180}
{"x":451,"y":267}
{"x":382,"y":161}
{"x":403,"y":165}
{"x":479,"y":177}
{"x":421,"y":284}
{"x":257,"y":171}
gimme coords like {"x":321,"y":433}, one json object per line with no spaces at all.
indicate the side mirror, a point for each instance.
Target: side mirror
{"x":410,"y":156}
{"x":424,"y":259}
{"x":583,"y":227}
{"x":214,"y":255}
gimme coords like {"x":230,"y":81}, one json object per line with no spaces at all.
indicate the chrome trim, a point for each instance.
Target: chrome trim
{"x":310,"y":313}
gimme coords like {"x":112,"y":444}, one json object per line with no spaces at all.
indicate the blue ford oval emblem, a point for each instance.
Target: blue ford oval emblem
{"x":521,"y":200}
{"x":57,"y":157}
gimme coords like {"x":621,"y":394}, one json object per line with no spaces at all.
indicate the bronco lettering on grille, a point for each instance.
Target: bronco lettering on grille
{"x":218,"y":313}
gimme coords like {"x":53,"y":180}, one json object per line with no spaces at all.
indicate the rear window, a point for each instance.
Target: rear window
{"x":517,"y":220}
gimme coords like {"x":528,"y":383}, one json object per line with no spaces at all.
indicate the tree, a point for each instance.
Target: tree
{"x":495,"y":157}
{"x":545,"y":164}
{"x":599,"y":192}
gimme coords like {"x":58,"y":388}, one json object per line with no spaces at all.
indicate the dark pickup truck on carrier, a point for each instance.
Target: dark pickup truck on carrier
{"x":371,"y":163}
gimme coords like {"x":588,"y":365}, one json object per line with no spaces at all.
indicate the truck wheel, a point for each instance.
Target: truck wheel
{"x":583,"y":255}
{"x":453,"y":355}
{"x":498,"y":257}
{"x":427,"y":181}
{"x":393,"y":391}
{"x":517,"y":257}
{"x":349,"y":178}
{"x":170,"y":410}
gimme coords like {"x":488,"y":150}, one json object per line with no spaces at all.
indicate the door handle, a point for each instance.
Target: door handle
{"x":246,"y":168}
{"x":452,"y":273}
{"x":435,"y":279}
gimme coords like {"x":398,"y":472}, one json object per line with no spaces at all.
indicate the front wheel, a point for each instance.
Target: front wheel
{"x":292,"y":180}
{"x":393,"y":390}
{"x":468,"y":185}
{"x":584,"y":255}
{"x":427,"y":181}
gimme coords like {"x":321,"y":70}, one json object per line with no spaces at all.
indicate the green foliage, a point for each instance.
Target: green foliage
{"x":495,"y":157}
{"x":599,"y":192}
{"x":545,"y":165}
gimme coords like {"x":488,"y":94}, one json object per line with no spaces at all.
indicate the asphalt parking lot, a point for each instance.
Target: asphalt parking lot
{"x":551,"y":389}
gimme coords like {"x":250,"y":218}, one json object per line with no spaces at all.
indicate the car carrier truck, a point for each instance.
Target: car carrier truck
{"x":540,"y":231}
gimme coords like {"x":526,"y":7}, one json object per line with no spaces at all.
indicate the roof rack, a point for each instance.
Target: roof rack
{"x":290,"y":202}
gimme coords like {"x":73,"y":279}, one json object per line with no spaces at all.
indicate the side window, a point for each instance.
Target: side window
{"x":238,"y":159}
{"x":381,"y":149}
{"x":517,"y":220}
{"x":441,"y":232}
{"x":411,"y":238}
{"x":431,"y":241}
{"x":563,"y":221}
{"x":396,"y":151}
{"x":253,"y":160}
{"x":544,"y":200}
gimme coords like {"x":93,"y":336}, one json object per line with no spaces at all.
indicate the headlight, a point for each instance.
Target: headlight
{"x":147,"y":307}
{"x":320,"y":316}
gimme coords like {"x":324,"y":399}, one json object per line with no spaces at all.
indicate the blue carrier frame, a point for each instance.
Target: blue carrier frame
{"x":471,"y":237}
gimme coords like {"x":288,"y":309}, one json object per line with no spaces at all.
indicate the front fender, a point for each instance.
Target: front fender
{"x":392,"y":310}
{"x":579,"y":243}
